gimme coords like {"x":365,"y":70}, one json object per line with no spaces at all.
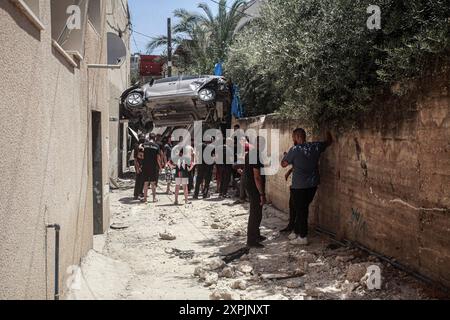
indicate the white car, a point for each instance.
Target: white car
{"x":176,"y":100}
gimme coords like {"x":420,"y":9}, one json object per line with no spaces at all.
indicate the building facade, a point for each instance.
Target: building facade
{"x":56,"y":106}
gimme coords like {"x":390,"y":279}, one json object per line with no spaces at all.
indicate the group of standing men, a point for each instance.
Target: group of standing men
{"x":154,"y":154}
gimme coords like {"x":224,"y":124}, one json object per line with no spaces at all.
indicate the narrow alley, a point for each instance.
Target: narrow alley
{"x":161,"y":251}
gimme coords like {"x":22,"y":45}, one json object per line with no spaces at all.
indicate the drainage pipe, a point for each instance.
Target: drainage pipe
{"x":57,"y":228}
{"x":348,"y":243}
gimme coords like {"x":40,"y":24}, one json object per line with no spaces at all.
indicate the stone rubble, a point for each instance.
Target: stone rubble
{"x":214,"y":231}
{"x":167,"y":236}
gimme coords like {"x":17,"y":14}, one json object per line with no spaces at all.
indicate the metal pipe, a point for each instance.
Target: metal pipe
{"x":392,"y":262}
{"x":103,"y":66}
{"x":169,"y":47}
{"x":57,"y":228}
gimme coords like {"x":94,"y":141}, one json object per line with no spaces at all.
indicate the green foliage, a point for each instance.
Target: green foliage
{"x":317,"y":60}
{"x":204,"y":38}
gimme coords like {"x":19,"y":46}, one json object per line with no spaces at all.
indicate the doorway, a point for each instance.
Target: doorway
{"x":97,"y":176}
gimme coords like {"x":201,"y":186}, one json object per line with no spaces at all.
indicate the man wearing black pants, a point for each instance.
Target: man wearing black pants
{"x":304,"y":157}
{"x":138,"y":158}
{"x":255,"y":186}
{"x":204,"y":174}
{"x":226,"y":168}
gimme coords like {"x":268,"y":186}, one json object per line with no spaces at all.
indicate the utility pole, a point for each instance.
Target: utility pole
{"x":169,"y":47}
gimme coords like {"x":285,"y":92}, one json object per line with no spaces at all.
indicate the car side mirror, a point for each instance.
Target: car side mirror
{"x":152,"y":82}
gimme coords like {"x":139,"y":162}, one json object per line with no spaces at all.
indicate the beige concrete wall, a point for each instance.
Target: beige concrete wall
{"x":45,"y":138}
{"x":386,"y":184}
{"x":119,"y":81}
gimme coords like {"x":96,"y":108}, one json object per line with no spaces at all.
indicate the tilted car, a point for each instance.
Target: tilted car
{"x":176,"y":101}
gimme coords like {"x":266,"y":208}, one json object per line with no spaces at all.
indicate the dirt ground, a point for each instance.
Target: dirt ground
{"x":160,"y":251}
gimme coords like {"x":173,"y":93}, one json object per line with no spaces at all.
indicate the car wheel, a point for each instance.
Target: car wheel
{"x":207,"y":95}
{"x":134,"y":100}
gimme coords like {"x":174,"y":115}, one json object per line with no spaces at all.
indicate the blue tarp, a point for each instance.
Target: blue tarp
{"x":236,"y":105}
{"x":218,"y":69}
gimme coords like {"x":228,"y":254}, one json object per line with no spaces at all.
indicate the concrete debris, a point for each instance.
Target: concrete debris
{"x":119,"y":226}
{"x":198,"y":271}
{"x":239,"y":284}
{"x":227,"y":273}
{"x":274,"y":236}
{"x":167,"y":236}
{"x":211,"y":279}
{"x":224,"y":294}
{"x":295,"y":283}
{"x":213,"y":264}
{"x":356,"y":272}
{"x":322,"y":270}
{"x":245,"y":267}
{"x":183,"y":254}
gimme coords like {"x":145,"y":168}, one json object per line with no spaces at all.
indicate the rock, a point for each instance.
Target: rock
{"x":119,"y":226}
{"x":167,"y":236}
{"x":198,"y":271}
{"x":213,"y":264}
{"x":227,"y":273}
{"x":223,"y":294}
{"x":215,"y":226}
{"x":305,"y":258}
{"x":211,"y":279}
{"x":313,"y":292}
{"x":239,"y":284}
{"x":344,"y":258}
{"x":245,"y":267}
{"x":356,"y":271}
{"x":295,"y":283}
{"x":238,"y":233}
{"x":274,"y":236}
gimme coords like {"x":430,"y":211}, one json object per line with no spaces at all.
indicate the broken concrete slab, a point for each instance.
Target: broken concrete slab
{"x":167,"y":236}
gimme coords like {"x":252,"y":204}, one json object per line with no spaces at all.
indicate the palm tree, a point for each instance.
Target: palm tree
{"x":205,"y":37}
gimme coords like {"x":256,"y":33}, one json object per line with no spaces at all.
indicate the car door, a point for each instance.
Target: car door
{"x":185,"y":84}
{"x":164,"y":87}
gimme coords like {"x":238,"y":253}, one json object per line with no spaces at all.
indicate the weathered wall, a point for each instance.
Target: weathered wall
{"x":45,"y":138}
{"x":386,"y":184}
{"x":119,"y":81}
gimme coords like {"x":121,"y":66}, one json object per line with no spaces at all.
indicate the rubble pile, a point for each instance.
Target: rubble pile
{"x":322,"y":270}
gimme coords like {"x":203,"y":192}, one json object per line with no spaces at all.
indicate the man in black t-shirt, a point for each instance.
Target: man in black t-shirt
{"x":255,"y":186}
{"x":151,"y":166}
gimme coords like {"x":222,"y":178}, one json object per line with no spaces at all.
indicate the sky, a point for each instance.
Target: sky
{"x":150,"y":18}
